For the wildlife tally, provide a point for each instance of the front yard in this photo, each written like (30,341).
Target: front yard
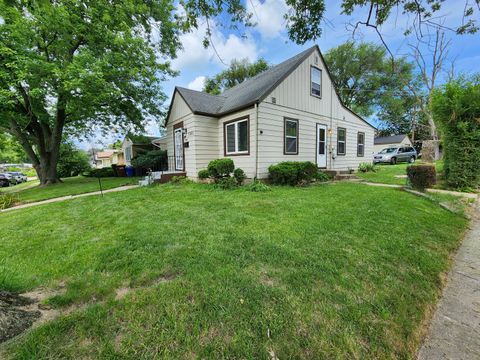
(30,191)
(341,270)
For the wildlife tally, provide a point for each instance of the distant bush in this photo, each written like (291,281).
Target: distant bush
(226,183)
(104,172)
(7,200)
(30,172)
(203,174)
(421,176)
(258,186)
(239,175)
(220,168)
(366,167)
(292,172)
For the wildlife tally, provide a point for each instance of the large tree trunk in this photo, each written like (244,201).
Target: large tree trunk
(47,170)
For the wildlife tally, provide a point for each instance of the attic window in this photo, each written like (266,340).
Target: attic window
(274,100)
(315,81)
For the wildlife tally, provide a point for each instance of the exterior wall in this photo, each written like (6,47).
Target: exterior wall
(405,142)
(293,99)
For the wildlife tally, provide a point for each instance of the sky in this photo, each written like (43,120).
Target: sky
(269,40)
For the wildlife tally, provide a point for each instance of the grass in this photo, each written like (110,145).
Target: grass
(390,174)
(30,191)
(331,271)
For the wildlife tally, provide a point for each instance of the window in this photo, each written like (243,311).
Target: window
(316,81)
(236,137)
(290,146)
(341,141)
(360,144)
(128,153)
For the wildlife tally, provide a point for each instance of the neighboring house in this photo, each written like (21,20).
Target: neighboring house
(290,112)
(161,142)
(134,145)
(383,142)
(108,158)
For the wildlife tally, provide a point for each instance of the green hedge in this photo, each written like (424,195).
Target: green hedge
(456,109)
(421,177)
(104,172)
(292,172)
(220,168)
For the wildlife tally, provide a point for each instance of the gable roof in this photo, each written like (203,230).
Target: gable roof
(389,139)
(249,92)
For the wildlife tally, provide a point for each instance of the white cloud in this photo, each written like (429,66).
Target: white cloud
(268,16)
(195,57)
(197,83)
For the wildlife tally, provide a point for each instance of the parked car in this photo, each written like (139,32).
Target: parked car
(392,155)
(6,180)
(18,176)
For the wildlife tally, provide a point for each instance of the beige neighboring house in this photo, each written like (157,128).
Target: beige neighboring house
(133,145)
(290,112)
(108,158)
(383,142)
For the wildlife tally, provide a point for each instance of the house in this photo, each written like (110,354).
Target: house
(290,112)
(108,158)
(133,145)
(383,142)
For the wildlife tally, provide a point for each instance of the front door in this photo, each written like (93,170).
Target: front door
(178,149)
(321,146)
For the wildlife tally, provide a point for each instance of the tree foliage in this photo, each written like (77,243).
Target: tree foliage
(72,161)
(10,150)
(237,72)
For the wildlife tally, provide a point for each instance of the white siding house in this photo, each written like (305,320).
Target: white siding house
(290,112)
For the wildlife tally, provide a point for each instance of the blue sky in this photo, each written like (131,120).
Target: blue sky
(268,39)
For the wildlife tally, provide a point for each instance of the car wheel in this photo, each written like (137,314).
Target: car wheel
(411,160)
(393,161)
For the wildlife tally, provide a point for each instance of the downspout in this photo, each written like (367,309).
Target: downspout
(331,126)
(256,140)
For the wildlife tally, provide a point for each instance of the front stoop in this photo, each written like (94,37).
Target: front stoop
(167,177)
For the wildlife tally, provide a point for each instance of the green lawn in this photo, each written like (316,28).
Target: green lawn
(389,174)
(30,191)
(318,272)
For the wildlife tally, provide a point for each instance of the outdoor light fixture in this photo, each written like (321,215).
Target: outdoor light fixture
(330,131)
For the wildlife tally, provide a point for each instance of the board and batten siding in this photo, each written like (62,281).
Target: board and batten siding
(292,99)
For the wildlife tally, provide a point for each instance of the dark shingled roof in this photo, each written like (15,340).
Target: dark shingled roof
(244,94)
(389,139)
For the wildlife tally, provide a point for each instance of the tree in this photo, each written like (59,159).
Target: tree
(10,150)
(72,161)
(70,66)
(237,72)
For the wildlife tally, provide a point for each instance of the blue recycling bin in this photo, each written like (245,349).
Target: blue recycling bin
(130,171)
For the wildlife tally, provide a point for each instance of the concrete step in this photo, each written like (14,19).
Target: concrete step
(345,177)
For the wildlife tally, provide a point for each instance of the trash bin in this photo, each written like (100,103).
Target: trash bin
(121,171)
(130,171)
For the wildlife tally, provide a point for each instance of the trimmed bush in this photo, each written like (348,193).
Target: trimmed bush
(220,168)
(226,183)
(292,172)
(258,186)
(366,167)
(421,176)
(180,180)
(151,159)
(104,172)
(7,200)
(203,174)
(239,175)
(456,109)
(323,176)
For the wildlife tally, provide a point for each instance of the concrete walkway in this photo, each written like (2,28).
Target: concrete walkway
(454,331)
(63,198)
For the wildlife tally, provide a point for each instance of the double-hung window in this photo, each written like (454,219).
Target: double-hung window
(128,153)
(290,146)
(315,81)
(236,137)
(341,141)
(360,144)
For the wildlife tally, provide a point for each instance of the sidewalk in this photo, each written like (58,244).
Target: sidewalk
(63,198)
(454,331)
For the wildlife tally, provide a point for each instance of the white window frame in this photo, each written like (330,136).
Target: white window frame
(312,68)
(235,125)
(360,145)
(344,142)
(290,136)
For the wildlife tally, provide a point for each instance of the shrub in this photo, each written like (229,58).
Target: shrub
(456,109)
(104,172)
(292,172)
(72,161)
(7,200)
(323,176)
(366,167)
(220,168)
(258,186)
(226,183)
(421,176)
(203,174)
(239,175)
(151,159)
(180,180)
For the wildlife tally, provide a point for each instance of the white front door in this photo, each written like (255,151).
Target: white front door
(321,146)
(178,149)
